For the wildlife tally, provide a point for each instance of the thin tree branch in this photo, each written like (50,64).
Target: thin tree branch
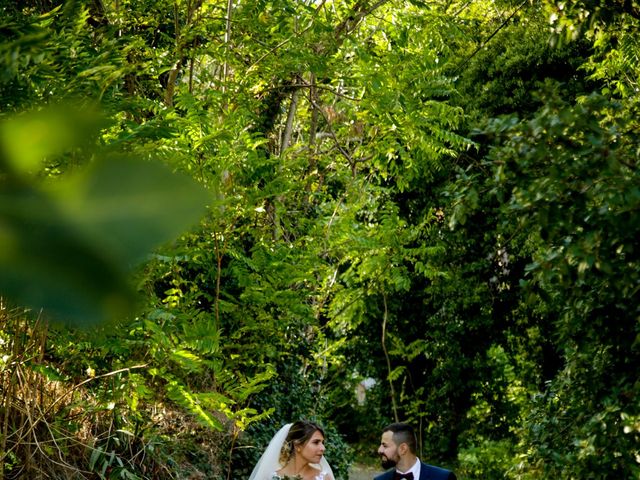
(344,153)
(502,25)
(78,385)
(350,23)
(312,86)
(313,98)
(386,356)
(227,39)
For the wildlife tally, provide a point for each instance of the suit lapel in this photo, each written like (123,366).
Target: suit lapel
(425,474)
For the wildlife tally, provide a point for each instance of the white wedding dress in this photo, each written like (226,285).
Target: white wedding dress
(321,475)
(269,464)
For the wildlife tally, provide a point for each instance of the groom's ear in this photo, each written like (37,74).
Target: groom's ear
(403,448)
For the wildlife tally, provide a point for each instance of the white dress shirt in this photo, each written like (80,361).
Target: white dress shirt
(415,470)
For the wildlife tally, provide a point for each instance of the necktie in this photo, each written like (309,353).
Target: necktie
(401,476)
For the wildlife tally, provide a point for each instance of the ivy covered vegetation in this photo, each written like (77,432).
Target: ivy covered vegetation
(220,216)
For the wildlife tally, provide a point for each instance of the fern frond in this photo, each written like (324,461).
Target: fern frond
(192,404)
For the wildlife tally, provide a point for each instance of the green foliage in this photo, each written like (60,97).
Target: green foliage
(488,458)
(520,60)
(581,215)
(440,196)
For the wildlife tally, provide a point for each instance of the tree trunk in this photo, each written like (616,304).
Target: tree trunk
(286,136)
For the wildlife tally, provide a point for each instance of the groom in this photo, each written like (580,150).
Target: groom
(398,450)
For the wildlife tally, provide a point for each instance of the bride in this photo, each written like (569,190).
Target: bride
(296,452)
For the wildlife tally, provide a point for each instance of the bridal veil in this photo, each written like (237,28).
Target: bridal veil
(269,462)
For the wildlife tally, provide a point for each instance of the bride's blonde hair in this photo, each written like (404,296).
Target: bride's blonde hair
(299,434)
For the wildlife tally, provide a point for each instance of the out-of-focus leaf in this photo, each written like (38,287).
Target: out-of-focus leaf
(46,262)
(128,207)
(69,250)
(68,247)
(30,139)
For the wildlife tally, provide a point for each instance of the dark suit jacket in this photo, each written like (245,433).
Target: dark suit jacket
(427,472)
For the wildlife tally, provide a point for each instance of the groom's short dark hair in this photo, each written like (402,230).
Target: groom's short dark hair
(403,433)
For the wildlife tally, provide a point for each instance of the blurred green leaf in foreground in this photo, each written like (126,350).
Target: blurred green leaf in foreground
(69,243)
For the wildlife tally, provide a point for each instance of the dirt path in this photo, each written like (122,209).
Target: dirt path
(361,472)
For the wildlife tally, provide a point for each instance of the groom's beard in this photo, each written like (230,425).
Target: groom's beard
(387,462)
